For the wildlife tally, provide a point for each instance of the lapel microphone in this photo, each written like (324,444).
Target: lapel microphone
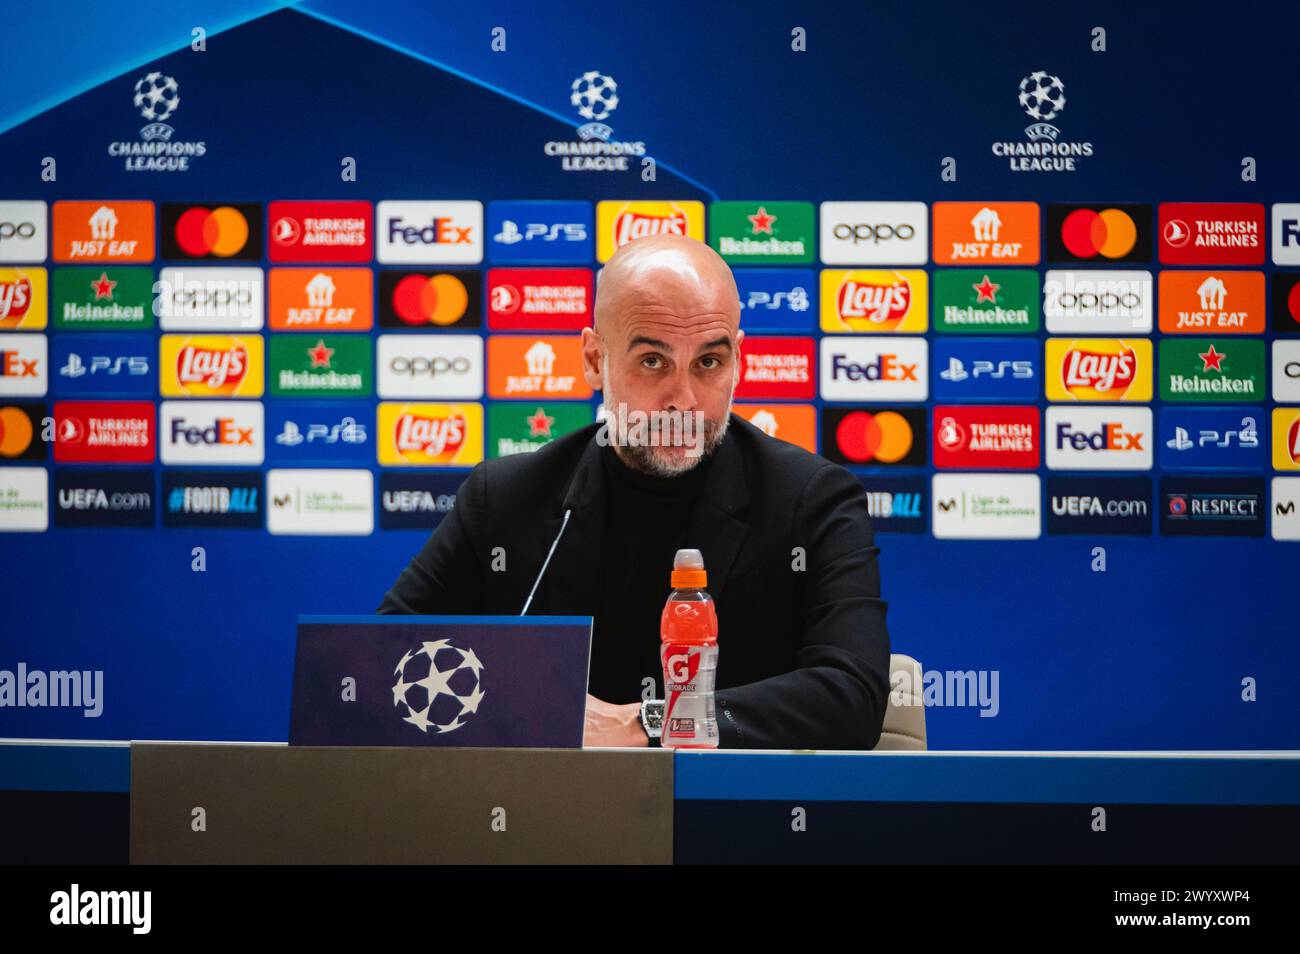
(546,563)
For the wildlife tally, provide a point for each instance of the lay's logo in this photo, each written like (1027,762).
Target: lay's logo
(618,223)
(211,365)
(1099,369)
(22,298)
(873,300)
(425,435)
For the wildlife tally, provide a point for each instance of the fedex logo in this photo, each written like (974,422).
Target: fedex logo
(23,362)
(222,431)
(1110,436)
(1099,438)
(854,369)
(14,364)
(430,232)
(440,231)
(886,367)
(212,432)
(1286,233)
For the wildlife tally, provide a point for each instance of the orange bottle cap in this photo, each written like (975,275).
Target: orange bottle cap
(689,579)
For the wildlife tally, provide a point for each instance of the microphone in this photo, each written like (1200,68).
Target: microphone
(546,563)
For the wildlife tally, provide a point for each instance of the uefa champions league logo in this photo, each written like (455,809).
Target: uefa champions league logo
(595,95)
(1042,96)
(156,96)
(438,686)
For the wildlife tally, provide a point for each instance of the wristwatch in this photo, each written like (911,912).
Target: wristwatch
(652,719)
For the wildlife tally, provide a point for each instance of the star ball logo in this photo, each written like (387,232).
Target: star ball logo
(157,97)
(438,686)
(595,96)
(1042,96)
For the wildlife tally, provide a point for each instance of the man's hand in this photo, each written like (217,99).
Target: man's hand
(608,724)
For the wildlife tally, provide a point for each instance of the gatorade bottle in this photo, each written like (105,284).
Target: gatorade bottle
(689,655)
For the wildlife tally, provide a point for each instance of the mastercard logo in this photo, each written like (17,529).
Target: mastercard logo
(222,231)
(430,300)
(15,431)
(1110,233)
(885,437)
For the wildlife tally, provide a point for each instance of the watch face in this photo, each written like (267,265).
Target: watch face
(652,717)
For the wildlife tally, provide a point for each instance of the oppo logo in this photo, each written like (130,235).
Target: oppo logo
(875,234)
(213,296)
(1092,301)
(22,230)
(433,367)
(1291,369)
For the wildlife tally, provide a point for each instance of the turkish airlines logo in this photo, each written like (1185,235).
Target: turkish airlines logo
(321,231)
(1211,233)
(104,431)
(539,299)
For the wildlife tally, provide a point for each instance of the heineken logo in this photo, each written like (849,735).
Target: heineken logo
(986,301)
(762,232)
(1214,369)
(102,297)
(323,365)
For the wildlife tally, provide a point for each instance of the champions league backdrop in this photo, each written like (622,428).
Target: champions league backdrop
(273,279)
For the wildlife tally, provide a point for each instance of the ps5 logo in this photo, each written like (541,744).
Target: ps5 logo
(796,299)
(993,370)
(1246,436)
(129,364)
(559,231)
(348,431)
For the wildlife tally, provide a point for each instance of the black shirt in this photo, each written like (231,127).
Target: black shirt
(647,519)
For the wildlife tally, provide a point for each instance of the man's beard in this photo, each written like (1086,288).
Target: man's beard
(656,460)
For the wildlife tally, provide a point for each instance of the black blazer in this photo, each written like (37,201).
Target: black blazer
(803,649)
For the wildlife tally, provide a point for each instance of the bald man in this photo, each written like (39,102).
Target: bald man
(787,543)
